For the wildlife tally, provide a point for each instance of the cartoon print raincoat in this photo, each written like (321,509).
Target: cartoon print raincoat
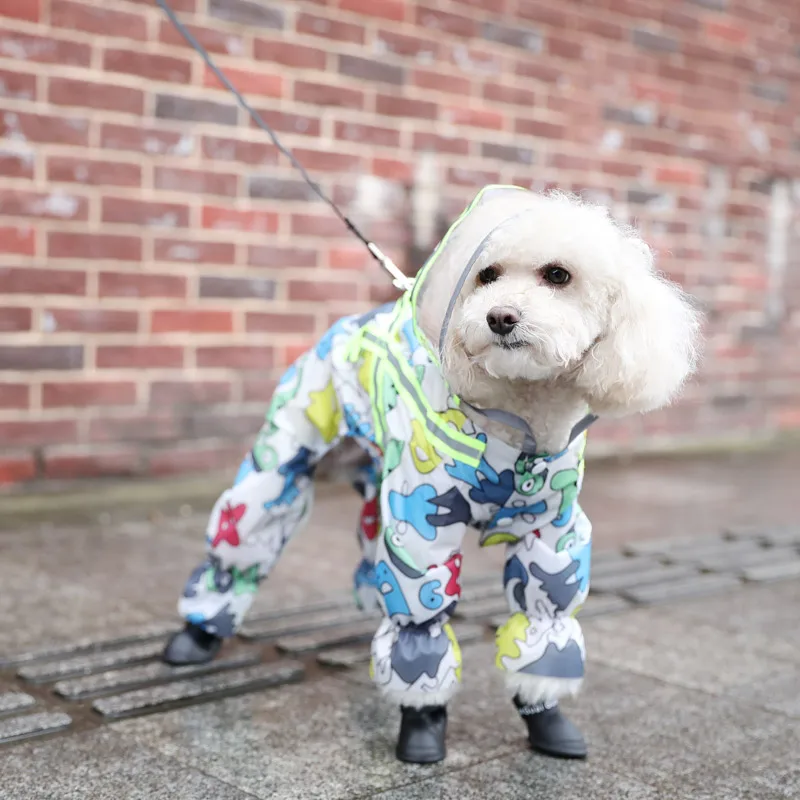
(435,472)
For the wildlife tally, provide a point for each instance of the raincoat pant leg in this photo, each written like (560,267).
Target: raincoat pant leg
(272,495)
(541,647)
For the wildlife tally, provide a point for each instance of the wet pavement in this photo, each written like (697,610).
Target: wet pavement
(693,686)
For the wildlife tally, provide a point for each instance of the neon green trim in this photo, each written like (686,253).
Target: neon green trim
(415,289)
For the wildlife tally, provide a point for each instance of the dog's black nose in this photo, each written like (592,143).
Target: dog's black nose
(502,320)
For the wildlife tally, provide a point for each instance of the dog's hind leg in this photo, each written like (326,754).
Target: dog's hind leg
(270,500)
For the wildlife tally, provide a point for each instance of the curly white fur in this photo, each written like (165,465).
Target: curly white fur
(533,690)
(617,336)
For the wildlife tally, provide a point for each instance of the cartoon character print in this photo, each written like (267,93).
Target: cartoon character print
(297,472)
(528,482)
(227,530)
(566,482)
(422,507)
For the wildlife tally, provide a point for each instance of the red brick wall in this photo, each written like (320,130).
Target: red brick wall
(160,264)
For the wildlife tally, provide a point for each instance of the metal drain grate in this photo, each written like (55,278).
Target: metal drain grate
(88,683)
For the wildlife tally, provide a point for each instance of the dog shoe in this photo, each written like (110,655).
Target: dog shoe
(422,732)
(192,645)
(550,732)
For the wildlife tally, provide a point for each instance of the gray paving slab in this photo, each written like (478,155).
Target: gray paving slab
(664,544)
(89,664)
(606,584)
(15,728)
(337,636)
(86,645)
(251,679)
(668,591)
(723,547)
(773,572)
(482,609)
(622,564)
(11,702)
(122,680)
(737,562)
(595,606)
(301,624)
(101,765)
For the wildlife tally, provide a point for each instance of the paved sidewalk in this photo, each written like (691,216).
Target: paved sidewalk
(686,697)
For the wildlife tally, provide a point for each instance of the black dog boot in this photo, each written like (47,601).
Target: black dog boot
(550,732)
(422,732)
(192,645)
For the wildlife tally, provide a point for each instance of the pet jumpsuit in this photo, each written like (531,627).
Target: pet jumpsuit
(434,472)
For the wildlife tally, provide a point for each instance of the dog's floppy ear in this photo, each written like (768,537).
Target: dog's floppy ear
(650,344)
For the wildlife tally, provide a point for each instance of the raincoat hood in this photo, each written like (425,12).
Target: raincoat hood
(467,247)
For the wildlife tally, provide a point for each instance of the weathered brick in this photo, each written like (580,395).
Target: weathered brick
(220,149)
(393,170)
(191,321)
(151,141)
(275,256)
(81,394)
(53,205)
(506,152)
(14,395)
(367,69)
(190,109)
(16,469)
(642,114)
(387,9)
(247,82)
(257,321)
(196,458)
(194,251)
(100,96)
(323,226)
(235,357)
(422,50)
(321,291)
(36,357)
(72,464)
(541,129)
(352,257)
(170,179)
(17,85)
(155,426)
(322,94)
(15,240)
(289,54)
(14,319)
(325,161)
(461,176)
(287,189)
(24,47)
(564,48)
(66,169)
(774,91)
(129,211)
(503,93)
(315,25)
(247,12)
(445,22)
(44,128)
(367,134)
(141,284)
(456,145)
(151,66)
(30,11)
(139,356)
(262,288)
(257,388)
(106,246)
(203,424)
(91,18)
(91,320)
(214,40)
(393,106)
(36,280)
(283,122)
(42,432)
(439,82)
(178,393)
(232,219)
(658,42)
(16,165)
(513,36)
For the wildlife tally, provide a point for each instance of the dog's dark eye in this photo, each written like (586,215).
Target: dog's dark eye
(488,275)
(556,275)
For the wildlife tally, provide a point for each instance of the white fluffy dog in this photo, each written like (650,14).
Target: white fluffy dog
(470,394)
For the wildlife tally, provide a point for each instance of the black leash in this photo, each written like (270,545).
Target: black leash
(400,280)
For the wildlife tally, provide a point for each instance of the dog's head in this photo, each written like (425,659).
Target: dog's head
(540,287)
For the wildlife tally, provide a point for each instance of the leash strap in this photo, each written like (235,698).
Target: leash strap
(401,281)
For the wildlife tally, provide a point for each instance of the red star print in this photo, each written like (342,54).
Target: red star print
(453,588)
(369,519)
(226,530)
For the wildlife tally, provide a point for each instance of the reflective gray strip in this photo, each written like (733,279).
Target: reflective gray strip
(513,421)
(455,444)
(460,285)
